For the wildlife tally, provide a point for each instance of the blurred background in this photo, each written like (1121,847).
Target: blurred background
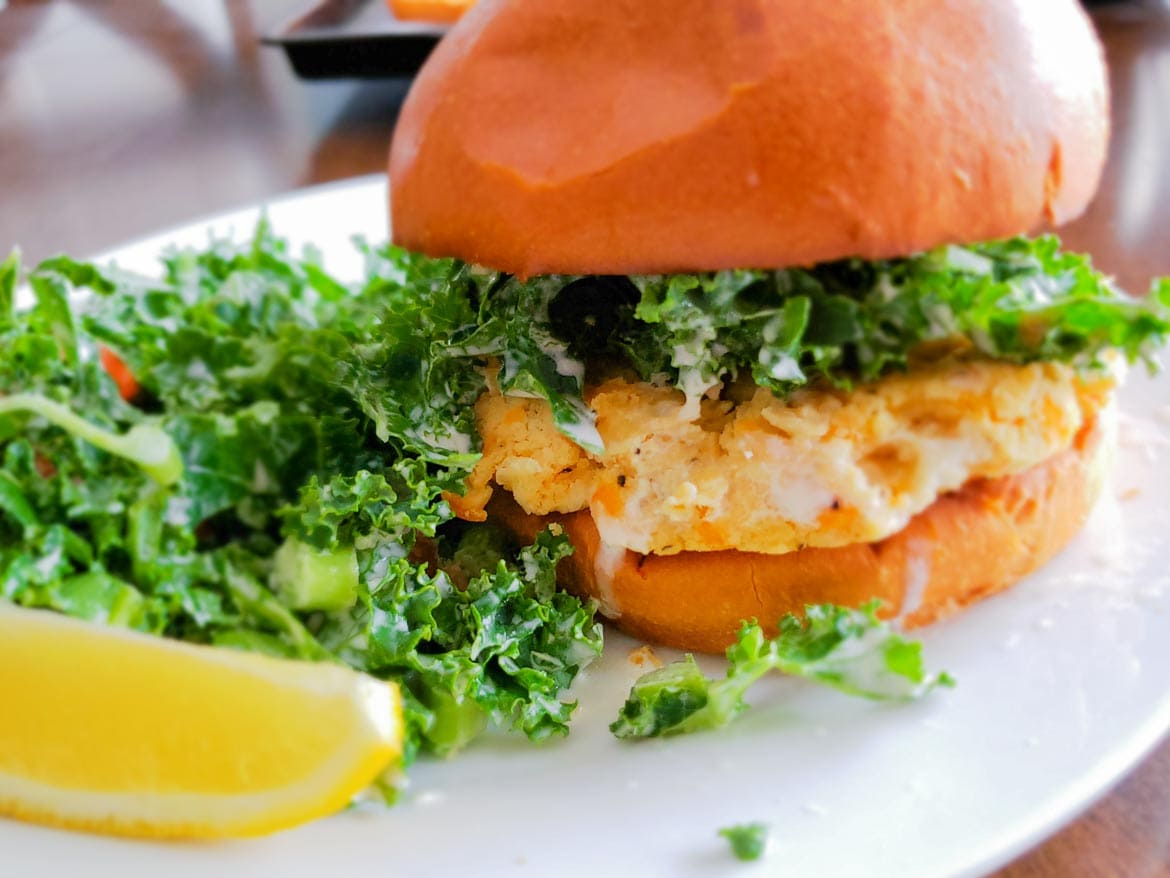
(155,113)
(122,118)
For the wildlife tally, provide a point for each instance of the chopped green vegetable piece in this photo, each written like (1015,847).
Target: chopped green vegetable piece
(748,840)
(99,597)
(850,650)
(145,444)
(307,578)
(14,503)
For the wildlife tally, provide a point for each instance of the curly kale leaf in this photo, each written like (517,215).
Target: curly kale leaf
(500,651)
(399,504)
(850,650)
(1018,300)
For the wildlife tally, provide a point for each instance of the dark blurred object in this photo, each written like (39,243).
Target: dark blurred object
(355,38)
(339,39)
(362,39)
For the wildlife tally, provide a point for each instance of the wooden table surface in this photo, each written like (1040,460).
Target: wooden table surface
(121,118)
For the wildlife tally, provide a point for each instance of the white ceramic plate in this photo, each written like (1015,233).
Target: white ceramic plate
(1064,683)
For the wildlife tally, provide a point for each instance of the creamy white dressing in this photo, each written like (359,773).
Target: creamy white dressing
(694,386)
(262,481)
(521,393)
(455,441)
(785,368)
(606,563)
(585,434)
(917,576)
(684,355)
(962,259)
(197,371)
(48,563)
(865,658)
(566,365)
(178,512)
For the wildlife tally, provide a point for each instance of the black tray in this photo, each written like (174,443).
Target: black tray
(355,38)
(362,38)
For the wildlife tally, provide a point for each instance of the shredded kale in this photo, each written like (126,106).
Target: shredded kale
(1018,300)
(277,485)
(850,650)
(405,356)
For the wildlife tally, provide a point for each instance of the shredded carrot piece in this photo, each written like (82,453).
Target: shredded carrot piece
(120,372)
(610,498)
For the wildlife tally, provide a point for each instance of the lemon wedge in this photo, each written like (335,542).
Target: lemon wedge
(113,731)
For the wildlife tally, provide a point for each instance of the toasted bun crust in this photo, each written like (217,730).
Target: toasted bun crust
(670,135)
(966,546)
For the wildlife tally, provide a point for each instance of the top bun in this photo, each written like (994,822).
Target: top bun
(572,136)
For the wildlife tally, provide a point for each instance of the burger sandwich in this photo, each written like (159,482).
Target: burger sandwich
(747,303)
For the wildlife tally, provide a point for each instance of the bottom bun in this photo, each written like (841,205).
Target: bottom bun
(967,545)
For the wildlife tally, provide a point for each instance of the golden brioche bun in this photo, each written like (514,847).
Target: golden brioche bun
(673,135)
(967,545)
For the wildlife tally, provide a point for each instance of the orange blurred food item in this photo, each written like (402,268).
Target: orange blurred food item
(440,11)
(120,372)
